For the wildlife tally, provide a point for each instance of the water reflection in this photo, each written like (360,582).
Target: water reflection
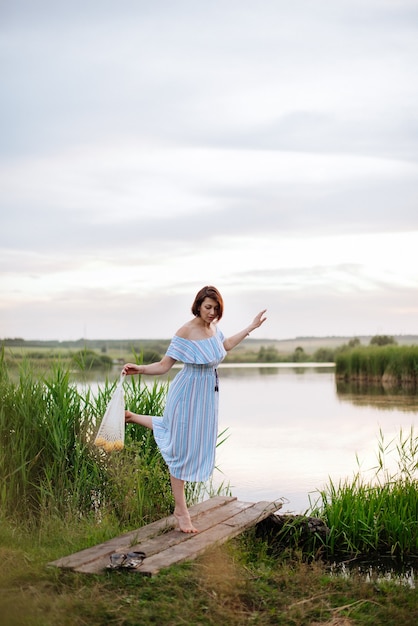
(378,396)
(383,568)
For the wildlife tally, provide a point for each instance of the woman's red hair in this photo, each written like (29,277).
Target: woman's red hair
(208,292)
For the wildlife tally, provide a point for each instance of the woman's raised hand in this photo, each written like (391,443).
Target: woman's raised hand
(259,319)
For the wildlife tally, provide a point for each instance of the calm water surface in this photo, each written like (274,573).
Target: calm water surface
(290,430)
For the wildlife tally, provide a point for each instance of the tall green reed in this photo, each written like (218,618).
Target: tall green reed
(49,465)
(45,462)
(379,515)
(397,365)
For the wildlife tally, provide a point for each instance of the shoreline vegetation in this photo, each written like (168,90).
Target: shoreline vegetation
(60,494)
(392,366)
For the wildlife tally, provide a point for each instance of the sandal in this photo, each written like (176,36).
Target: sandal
(134,559)
(131,560)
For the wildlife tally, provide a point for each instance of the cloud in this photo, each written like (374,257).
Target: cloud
(101,313)
(120,197)
(195,74)
(147,148)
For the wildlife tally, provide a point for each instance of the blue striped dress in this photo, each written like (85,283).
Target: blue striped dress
(186,434)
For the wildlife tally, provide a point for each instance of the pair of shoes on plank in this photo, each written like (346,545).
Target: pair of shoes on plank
(131,560)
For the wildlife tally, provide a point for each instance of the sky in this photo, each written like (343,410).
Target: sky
(269,148)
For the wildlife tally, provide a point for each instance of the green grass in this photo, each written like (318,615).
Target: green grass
(232,585)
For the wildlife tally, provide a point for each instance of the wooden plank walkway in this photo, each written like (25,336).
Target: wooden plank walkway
(218,519)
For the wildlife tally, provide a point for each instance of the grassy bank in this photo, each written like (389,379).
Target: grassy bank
(60,495)
(234,585)
(394,365)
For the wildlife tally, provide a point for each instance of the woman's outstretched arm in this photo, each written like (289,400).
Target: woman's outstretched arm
(233,341)
(153,369)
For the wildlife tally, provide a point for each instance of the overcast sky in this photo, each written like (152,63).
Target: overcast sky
(149,148)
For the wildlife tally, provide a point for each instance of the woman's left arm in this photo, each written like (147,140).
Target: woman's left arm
(233,341)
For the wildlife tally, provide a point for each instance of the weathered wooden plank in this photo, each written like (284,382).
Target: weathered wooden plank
(218,520)
(176,547)
(214,536)
(125,542)
(206,520)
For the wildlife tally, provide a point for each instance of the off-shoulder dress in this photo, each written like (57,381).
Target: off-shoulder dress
(187,431)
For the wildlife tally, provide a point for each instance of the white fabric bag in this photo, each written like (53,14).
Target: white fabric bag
(111,433)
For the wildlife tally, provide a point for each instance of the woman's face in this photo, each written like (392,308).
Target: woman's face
(209,310)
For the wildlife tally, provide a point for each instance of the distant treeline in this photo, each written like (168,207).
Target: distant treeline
(89,353)
(84,353)
(150,350)
(102,345)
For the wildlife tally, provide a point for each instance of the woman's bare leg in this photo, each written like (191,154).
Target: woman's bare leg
(181,512)
(142,420)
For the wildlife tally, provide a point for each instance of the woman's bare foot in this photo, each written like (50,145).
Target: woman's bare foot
(185,523)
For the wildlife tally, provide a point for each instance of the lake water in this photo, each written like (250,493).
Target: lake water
(290,430)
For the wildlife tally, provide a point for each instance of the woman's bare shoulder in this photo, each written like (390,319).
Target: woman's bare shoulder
(186,331)
(193,331)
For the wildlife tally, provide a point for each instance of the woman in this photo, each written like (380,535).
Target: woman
(186,433)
